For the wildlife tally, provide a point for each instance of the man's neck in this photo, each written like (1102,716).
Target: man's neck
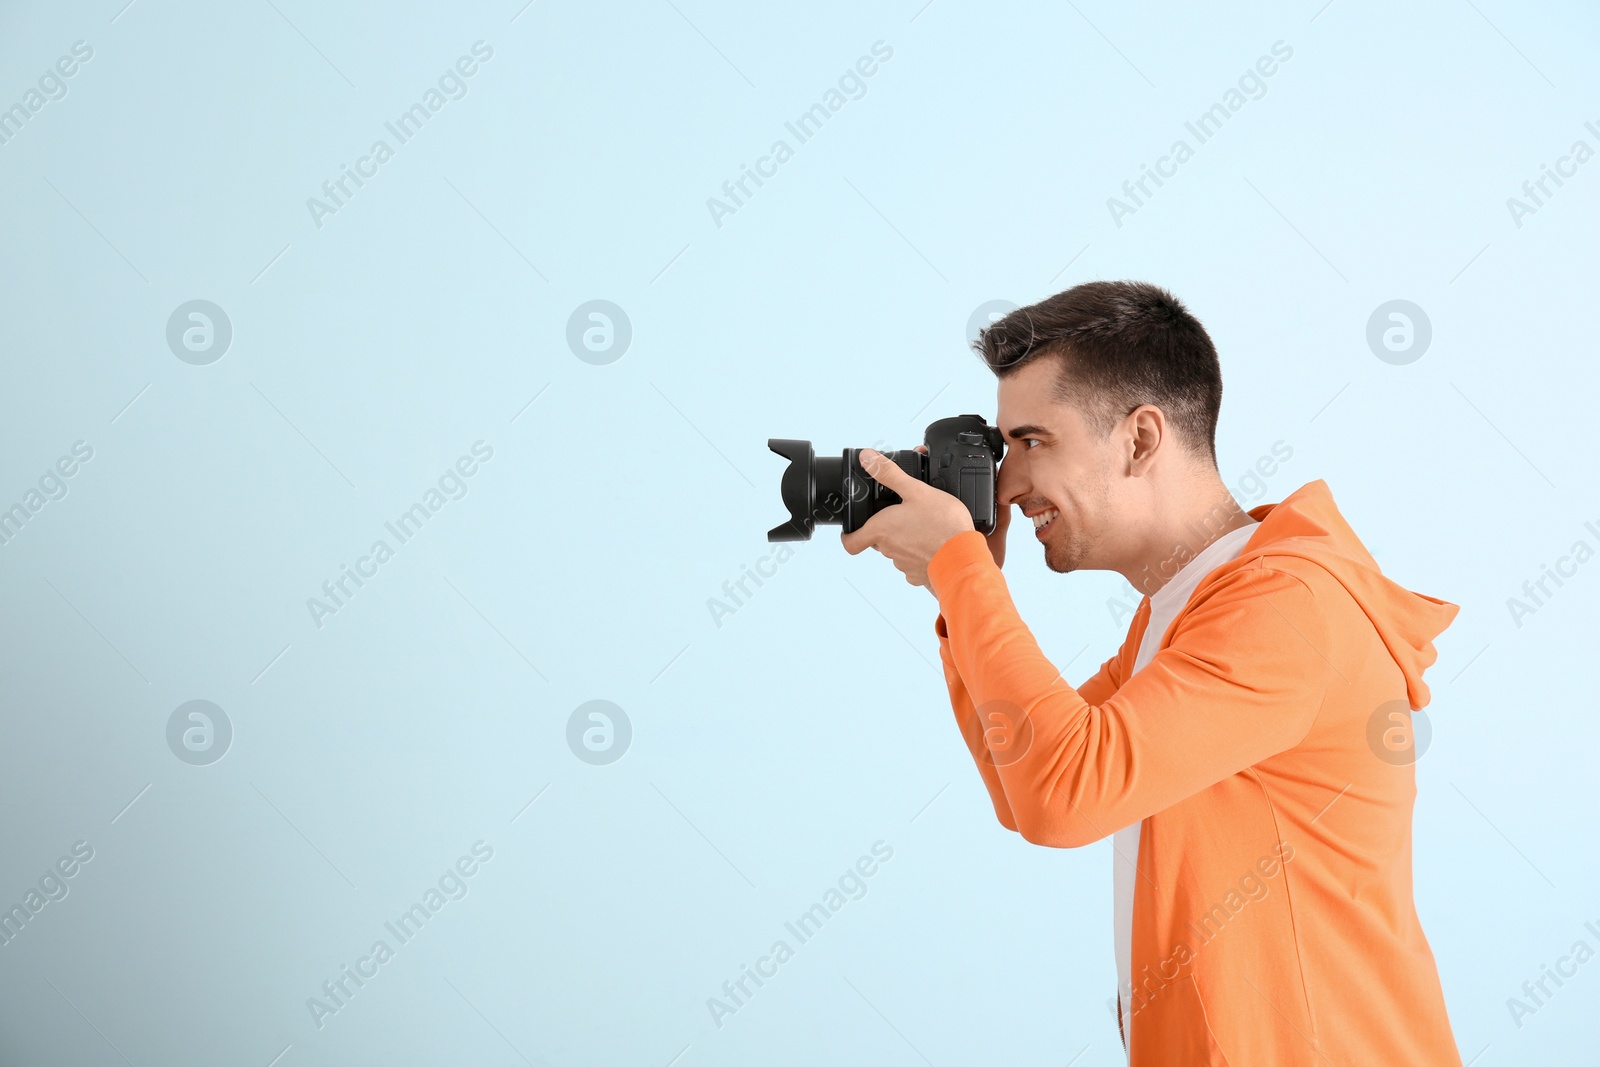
(1189,533)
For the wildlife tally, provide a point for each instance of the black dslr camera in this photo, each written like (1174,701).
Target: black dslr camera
(963,452)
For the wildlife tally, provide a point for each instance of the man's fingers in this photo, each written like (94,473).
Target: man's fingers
(859,540)
(870,533)
(888,473)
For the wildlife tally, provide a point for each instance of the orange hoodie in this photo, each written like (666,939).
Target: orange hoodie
(1263,748)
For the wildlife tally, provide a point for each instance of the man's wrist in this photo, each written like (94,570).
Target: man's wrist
(967,548)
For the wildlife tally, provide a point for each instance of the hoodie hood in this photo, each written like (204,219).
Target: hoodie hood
(1307,523)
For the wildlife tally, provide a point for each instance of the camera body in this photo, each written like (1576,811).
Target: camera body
(963,460)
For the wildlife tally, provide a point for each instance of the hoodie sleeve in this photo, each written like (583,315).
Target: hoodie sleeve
(1242,679)
(1102,685)
(972,729)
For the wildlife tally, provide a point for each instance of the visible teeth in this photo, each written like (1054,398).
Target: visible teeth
(1044,517)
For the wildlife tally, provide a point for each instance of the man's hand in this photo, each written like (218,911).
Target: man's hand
(910,532)
(1002,522)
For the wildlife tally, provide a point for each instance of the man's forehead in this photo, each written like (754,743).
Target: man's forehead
(1026,406)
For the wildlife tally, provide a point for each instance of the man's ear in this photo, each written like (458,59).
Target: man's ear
(1146,429)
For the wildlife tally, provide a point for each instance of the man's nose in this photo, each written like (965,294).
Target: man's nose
(1012,484)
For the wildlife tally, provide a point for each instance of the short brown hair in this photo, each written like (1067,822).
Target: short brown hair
(1119,345)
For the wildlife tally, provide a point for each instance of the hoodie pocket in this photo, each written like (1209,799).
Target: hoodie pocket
(1173,1029)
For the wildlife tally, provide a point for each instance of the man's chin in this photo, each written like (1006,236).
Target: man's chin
(1063,561)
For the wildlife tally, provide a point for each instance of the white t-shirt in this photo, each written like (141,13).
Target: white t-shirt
(1165,604)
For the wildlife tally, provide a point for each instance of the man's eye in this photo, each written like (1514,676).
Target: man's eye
(1029,441)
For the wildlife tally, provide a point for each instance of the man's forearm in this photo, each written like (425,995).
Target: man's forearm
(972,728)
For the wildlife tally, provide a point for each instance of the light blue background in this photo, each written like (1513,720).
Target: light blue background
(772,751)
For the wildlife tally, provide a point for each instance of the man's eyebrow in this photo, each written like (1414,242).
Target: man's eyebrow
(1019,432)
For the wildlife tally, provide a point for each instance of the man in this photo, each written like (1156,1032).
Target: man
(1246,748)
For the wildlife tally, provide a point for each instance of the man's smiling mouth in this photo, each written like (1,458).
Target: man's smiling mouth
(1043,520)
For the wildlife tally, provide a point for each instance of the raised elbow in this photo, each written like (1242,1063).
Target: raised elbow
(1036,829)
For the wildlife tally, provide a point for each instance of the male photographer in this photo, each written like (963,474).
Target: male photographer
(1241,747)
